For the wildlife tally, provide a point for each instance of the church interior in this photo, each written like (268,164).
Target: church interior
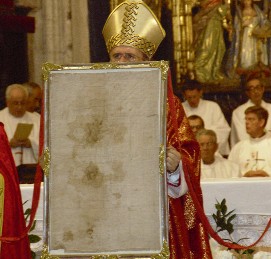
(202,43)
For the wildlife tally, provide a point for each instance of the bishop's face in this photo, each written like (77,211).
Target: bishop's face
(126,54)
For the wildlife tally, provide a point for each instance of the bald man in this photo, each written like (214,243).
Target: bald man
(26,151)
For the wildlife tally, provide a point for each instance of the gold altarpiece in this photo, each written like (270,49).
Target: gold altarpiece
(182,33)
(229,93)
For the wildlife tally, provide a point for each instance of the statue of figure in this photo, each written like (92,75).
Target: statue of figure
(249,44)
(209,43)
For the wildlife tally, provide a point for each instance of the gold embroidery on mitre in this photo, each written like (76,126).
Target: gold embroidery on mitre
(189,212)
(133,23)
(127,34)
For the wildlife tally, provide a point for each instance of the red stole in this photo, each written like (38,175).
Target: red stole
(13,220)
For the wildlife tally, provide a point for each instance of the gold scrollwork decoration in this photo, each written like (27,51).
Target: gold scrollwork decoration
(45,254)
(93,66)
(47,67)
(164,67)
(44,161)
(162,159)
(164,253)
(105,257)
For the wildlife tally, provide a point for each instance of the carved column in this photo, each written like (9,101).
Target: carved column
(56,28)
(61,35)
(80,31)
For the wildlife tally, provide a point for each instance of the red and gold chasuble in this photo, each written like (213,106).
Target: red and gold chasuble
(187,237)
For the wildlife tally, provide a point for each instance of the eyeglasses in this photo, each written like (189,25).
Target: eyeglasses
(255,89)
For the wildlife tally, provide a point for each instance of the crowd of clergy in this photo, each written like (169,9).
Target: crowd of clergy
(241,149)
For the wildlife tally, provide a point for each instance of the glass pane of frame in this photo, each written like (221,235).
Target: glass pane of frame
(105,189)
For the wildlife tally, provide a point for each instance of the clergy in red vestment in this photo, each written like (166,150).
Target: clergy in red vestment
(132,34)
(14,243)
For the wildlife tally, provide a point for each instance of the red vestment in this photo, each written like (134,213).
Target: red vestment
(187,237)
(14,238)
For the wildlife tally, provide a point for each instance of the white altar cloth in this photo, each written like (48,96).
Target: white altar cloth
(27,193)
(245,195)
(250,198)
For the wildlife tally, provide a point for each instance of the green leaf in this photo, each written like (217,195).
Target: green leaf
(248,251)
(230,229)
(33,255)
(34,238)
(224,209)
(25,202)
(228,214)
(231,218)
(33,226)
(223,220)
(218,207)
(27,212)
(244,238)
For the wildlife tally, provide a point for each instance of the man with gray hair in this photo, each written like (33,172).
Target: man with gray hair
(24,151)
(213,166)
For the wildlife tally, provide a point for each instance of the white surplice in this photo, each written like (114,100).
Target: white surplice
(220,168)
(238,124)
(214,119)
(253,154)
(27,155)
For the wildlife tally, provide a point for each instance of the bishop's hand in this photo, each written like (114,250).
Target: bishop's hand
(173,158)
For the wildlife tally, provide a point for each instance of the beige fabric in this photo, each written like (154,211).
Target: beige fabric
(105,138)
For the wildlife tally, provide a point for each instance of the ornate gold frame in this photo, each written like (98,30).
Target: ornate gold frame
(48,72)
